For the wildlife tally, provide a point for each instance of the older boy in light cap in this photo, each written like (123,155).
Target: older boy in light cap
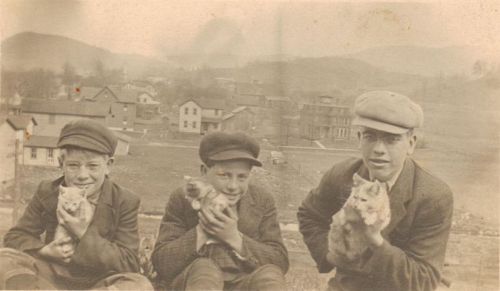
(409,253)
(107,241)
(249,253)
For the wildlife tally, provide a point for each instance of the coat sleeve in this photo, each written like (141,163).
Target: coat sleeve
(269,248)
(25,235)
(315,216)
(175,247)
(118,255)
(417,265)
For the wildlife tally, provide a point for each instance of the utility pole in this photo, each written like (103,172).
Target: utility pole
(17,183)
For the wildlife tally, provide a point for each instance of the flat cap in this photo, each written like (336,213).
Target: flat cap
(88,134)
(222,146)
(387,111)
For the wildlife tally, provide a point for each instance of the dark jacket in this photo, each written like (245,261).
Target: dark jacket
(175,247)
(110,244)
(413,252)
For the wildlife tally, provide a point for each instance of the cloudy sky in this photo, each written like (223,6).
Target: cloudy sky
(303,28)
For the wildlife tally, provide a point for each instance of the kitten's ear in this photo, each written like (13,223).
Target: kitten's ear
(187,178)
(357,179)
(62,189)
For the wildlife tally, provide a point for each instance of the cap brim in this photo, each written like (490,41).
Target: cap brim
(235,155)
(83,143)
(379,125)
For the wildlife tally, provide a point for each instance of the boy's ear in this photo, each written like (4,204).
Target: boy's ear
(109,163)
(203,169)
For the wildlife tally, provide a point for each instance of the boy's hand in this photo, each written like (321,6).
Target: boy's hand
(223,227)
(55,250)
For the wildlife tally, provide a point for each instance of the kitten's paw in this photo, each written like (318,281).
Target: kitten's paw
(370,219)
(196,205)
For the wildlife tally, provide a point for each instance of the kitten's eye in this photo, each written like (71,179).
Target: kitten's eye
(364,199)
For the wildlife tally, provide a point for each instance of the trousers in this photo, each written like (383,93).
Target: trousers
(204,274)
(21,271)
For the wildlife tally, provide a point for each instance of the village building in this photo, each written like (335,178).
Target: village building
(147,106)
(200,115)
(51,116)
(14,129)
(325,118)
(121,105)
(41,151)
(239,119)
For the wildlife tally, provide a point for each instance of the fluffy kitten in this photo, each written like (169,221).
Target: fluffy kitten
(75,202)
(199,192)
(371,201)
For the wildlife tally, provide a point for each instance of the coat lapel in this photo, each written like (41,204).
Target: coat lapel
(248,214)
(401,192)
(104,213)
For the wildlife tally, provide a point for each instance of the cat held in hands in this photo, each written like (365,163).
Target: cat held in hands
(368,204)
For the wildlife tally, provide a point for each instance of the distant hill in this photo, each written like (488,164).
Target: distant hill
(28,50)
(324,74)
(425,61)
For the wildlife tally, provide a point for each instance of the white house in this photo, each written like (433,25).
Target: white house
(41,151)
(200,115)
(12,128)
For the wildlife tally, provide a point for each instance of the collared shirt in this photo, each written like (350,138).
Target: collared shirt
(390,183)
(94,198)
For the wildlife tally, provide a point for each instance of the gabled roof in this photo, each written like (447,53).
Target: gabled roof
(64,107)
(19,122)
(88,92)
(242,108)
(42,141)
(123,95)
(206,103)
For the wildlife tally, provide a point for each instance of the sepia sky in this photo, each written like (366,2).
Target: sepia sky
(300,28)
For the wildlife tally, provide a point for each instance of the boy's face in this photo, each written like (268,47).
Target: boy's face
(85,170)
(385,153)
(231,178)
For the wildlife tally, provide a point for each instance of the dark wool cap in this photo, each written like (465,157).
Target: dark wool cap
(222,146)
(88,134)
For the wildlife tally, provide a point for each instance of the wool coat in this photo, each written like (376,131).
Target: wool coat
(412,254)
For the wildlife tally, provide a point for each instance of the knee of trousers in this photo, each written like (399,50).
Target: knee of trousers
(128,281)
(268,274)
(15,264)
(205,266)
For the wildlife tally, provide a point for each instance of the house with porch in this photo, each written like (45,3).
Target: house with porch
(200,115)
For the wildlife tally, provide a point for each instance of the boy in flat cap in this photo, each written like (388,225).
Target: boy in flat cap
(250,254)
(409,253)
(106,251)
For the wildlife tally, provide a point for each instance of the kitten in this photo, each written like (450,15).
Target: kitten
(371,201)
(198,191)
(75,202)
